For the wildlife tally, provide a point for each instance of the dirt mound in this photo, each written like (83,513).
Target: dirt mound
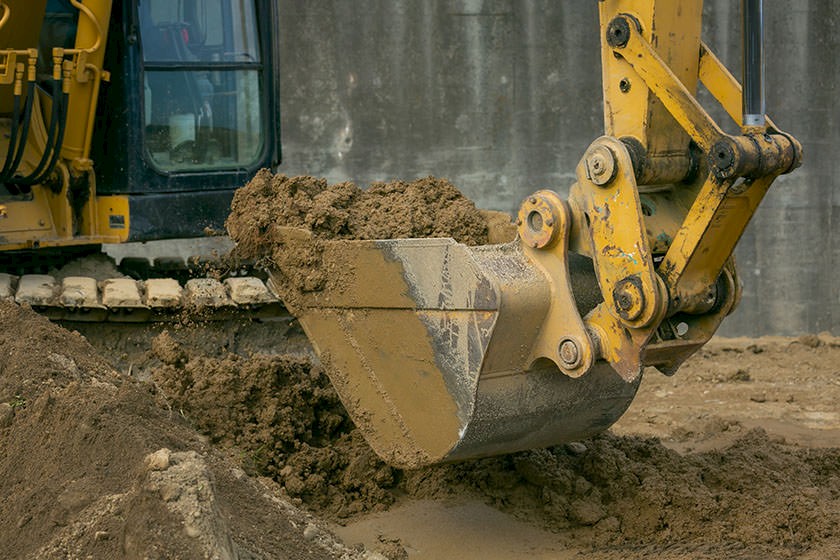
(610,492)
(91,465)
(426,207)
(283,416)
(623,491)
(340,212)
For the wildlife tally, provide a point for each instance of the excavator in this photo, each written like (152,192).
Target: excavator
(439,351)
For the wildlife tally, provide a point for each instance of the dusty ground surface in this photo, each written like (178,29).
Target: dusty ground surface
(736,456)
(226,441)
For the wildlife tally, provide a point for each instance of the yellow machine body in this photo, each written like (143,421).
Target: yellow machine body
(440,351)
(171,144)
(46,217)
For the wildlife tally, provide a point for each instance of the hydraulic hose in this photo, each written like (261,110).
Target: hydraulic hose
(62,127)
(55,136)
(6,13)
(24,136)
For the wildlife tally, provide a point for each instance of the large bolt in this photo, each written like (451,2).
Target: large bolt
(624,302)
(600,165)
(538,219)
(569,353)
(722,158)
(629,298)
(618,33)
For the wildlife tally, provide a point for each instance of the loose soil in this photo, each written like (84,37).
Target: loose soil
(736,456)
(428,207)
(227,441)
(263,211)
(95,464)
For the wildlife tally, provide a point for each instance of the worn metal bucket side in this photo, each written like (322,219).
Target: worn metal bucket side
(428,343)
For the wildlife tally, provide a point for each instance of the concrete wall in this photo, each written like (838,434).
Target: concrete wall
(503,96)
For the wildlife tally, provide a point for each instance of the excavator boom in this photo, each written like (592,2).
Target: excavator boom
(441,351)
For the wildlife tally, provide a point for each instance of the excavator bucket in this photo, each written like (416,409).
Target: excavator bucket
(430,345)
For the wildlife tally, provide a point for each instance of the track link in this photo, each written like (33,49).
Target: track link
(81,298)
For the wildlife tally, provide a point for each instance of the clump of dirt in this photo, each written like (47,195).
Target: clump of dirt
(391,548)
(94,465)
(285,419)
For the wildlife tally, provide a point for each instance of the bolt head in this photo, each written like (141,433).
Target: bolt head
(629,298)
(624,301)
(569,353)
(600,165)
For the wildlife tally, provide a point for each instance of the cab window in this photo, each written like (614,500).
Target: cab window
(202,84)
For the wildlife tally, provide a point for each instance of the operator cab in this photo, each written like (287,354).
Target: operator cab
(190,114)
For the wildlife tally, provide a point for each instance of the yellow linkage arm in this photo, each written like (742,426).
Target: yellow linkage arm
(666,177)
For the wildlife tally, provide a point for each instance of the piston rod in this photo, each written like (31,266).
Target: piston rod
(752,14)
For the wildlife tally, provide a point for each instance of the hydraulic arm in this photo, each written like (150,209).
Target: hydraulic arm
(441,351)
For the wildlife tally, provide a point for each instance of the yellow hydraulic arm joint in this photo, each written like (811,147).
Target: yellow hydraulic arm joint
(706,181)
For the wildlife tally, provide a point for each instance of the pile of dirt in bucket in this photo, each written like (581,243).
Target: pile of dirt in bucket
(427,207)
(284,222)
